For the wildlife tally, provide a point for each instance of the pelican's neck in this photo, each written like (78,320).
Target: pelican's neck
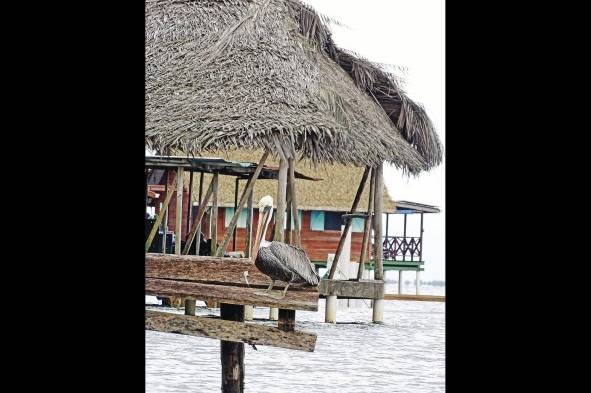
(265,243)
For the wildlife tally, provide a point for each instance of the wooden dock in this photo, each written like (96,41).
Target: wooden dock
(420,298)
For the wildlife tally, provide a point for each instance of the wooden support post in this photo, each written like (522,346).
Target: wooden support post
(165,212)
(159,218)
(339,251)
(198,244)
(378,304)
(249,187)
(190,305)
(286,320)
(178,226)
(294,203)
(189,204)
(249,220)
(232,353)
(404,240)
(399,282)
(236,186)
(280,213)
(197,222)
(378,310)
(214,215)
(378,207)
(418,283)
(281,200)
(288,220)
(364,254)
(330,313)
(248,310)
(421,241)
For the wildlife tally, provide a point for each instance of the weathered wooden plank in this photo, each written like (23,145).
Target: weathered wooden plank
(229,331)
(422,298)
(293,300)
(212,270)
(362,289)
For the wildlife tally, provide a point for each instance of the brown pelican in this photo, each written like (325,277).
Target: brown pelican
(278,260)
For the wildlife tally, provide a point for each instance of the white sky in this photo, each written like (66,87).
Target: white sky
(409,34)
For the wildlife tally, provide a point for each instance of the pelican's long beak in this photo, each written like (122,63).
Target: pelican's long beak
(261,229)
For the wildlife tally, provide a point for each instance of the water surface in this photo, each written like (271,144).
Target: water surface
(405,354)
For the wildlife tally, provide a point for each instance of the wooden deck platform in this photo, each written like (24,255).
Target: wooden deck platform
(233,282)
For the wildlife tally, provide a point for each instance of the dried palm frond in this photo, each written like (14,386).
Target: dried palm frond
(224,75)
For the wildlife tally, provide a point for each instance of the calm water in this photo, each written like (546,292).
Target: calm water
(405,354)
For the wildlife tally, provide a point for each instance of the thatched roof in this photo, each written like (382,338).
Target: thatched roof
(243,74)
(335,192)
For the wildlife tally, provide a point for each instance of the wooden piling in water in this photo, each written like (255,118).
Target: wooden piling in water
(232,353)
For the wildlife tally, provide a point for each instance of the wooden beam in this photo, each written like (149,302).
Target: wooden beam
(249,187)
(229,331)
(294,203)
(214,214)
(178,227)
(197,222)
(209,270)
(363,289)
(293,300)
(377,222)
(160,216)
(339,251)
(364,253)
(421,298)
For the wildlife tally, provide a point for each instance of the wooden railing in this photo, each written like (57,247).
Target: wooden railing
(399,248)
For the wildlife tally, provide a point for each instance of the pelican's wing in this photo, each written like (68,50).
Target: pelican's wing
(296,260)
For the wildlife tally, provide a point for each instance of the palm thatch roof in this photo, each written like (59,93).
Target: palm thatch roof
(223,75)
(334,192)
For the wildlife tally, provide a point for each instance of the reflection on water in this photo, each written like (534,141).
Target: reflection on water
(405,354)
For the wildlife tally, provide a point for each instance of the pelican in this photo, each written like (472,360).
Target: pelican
(278,260)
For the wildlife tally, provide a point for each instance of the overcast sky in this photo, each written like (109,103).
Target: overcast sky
(408,34)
